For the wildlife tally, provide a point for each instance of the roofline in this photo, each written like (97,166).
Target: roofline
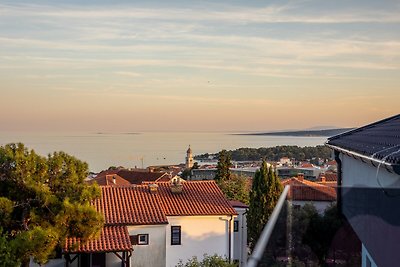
(203,215)
(362,127)
(390,167)
(89,251)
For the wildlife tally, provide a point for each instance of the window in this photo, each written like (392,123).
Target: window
(143,239)
(140,239)
(236,226)
(175,235)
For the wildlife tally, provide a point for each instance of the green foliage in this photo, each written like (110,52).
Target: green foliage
(320,232)
(264,195)
(6,208)
(43,201)
(224,163)
(275,153)
(7,253)
(208,261)
(314,238)
(237,187)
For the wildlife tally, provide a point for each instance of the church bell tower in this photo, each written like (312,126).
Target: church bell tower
(189,158)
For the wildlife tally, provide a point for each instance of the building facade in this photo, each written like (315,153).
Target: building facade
(158,224)
(368,168)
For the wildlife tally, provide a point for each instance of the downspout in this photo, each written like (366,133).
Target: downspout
(339,181)
(241,238)
(230,239)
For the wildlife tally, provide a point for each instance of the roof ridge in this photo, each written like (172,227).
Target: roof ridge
(363,127)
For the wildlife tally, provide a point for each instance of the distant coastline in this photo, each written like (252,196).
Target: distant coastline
(305,133)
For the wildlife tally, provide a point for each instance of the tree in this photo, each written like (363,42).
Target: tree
(208,261)
(264,195)
(42,202)
(224,163)
(236,188)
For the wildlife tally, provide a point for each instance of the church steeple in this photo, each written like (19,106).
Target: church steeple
(189,158)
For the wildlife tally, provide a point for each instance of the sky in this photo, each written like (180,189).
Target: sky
(131,66)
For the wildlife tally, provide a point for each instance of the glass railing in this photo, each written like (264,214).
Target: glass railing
(309,233)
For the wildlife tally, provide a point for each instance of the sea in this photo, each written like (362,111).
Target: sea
(102,150)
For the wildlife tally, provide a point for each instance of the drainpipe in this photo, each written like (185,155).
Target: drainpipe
(339,182)
(241,238)
(230,238)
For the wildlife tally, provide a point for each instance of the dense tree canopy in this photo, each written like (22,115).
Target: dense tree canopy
(223,165)
(237,187)
(264,195)
(43,201)
(275,153)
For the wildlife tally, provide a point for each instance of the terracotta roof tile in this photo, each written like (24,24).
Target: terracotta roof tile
(108,180)
(305,190)
(197,198)
(112,238)
(329,177)
(306,165)
(132,176)
(238,204)
(130,205)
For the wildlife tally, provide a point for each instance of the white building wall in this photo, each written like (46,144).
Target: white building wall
(365,257)
(199,235)
(357,173)
(112,260)
(240,238)
(152,254)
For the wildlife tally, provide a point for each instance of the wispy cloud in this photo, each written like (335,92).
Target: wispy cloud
(285,13)
(243,55)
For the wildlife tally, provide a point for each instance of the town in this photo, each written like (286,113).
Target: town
(191,133)
(176,214)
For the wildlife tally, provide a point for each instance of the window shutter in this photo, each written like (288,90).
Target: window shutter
(134,239)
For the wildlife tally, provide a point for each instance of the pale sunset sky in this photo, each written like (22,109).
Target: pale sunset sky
(197,65)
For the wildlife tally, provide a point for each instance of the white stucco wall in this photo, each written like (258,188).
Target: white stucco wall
(112,260)
(199,235)
(358,173)
(240,238)
(152,254)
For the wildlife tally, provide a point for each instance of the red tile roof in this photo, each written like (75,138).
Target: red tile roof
(197,198)
(112,239)
(306,165)
(131,205)
(329,177)
(131,176)
(305,190)
(238,204)
(109,180)
(136,205)
(332,162)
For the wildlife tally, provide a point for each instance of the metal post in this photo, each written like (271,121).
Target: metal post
(267,231)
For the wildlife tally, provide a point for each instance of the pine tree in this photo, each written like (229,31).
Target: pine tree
(224,163)
(264,195)
(42,202)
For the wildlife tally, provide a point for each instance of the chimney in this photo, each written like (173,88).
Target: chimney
(323,179)
(176,186)
(153,188)
(300,177)
(112,178)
